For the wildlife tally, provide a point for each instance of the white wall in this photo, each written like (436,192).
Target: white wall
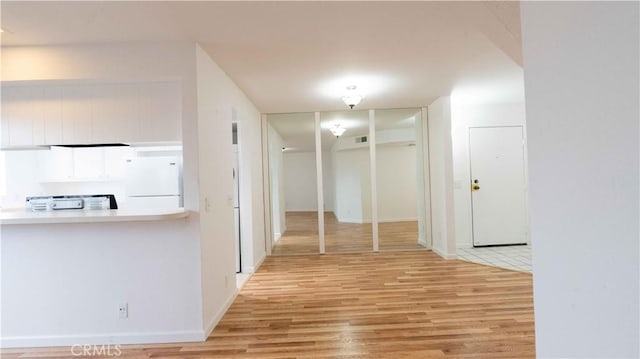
(441,170)
(328,181)
(463,116)
(396,183)
(218,98)
(221,102)
(300,181)
(352,186)
(24,180)
(581,80)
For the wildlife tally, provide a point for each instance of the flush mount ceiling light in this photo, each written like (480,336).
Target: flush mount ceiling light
(337,130)
(352,98)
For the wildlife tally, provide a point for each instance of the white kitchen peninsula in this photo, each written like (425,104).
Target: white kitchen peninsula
(66,273)
(25,217)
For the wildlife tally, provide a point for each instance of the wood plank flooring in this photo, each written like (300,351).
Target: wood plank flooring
(301,236)
(369,305)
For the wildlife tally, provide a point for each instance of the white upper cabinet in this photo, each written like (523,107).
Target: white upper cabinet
(76,107)
(22,116)
(52,115)
(160,112)
(116,113)
(91,113)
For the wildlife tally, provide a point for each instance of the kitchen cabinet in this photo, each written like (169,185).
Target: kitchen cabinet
(160,113)
(22,116)
(76,103)
(115,113)
(51,114)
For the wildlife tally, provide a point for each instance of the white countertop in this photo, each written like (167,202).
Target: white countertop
(22,216)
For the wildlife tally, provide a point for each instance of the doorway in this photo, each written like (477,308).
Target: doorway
(498,185)
(292,178)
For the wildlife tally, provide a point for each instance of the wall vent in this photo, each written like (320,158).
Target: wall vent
(361,139)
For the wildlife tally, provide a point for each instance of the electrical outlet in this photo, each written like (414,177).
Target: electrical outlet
(123,310)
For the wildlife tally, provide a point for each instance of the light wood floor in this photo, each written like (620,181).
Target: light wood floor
(301,236)
(368,305)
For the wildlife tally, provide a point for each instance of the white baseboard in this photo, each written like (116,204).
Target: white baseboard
(276,236)
(216,318)
(396,220)
(103,339)
(351,220)
(253,269)
(444,255)
(367,221)
(119,338)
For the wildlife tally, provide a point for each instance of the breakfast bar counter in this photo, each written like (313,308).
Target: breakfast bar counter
(24,216)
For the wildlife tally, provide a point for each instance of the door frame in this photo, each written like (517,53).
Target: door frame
(526,178)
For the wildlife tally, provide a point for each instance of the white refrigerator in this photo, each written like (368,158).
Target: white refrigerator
(153,182)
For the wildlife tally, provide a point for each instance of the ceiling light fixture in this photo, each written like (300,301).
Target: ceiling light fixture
(352,98)
(337,130)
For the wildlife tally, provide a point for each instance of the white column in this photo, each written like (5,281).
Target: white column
(374,190)
(319,184)
(266,187)
(427,177)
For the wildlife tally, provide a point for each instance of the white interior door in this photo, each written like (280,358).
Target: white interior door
(498,185)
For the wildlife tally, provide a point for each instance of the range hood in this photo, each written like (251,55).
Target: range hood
(84,145)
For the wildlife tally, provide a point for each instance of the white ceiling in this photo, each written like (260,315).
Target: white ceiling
(298,56)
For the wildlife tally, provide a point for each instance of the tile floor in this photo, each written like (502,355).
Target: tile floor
(508,257)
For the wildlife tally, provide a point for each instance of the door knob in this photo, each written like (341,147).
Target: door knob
(475,187)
